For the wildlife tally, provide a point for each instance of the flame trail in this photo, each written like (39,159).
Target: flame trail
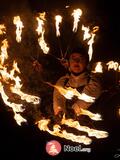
(2,29)
(90,36)
(17,108)
(58,20)
(19,25)
(43,125)
(15,86)
(40,30)
(98,68)
(69,92)
(113,65)
(76,15)
(4,54)
(86,30)
(90,43)
(95,117)
(91,132)
(119,68)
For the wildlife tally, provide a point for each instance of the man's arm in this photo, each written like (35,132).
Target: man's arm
(92,89)
(58,99)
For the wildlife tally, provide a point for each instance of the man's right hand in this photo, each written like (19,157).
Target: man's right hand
(57,110)
(76,109)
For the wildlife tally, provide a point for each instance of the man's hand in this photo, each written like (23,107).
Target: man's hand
(57,110)
(76,109)
(37,66)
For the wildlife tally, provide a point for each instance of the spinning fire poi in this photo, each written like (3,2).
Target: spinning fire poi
(14,82)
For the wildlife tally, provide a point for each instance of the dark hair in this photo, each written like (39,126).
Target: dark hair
(79,50)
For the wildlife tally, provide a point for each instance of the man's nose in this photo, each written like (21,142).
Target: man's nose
(77,60)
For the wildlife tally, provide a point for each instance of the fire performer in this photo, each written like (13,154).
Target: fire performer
(78,78)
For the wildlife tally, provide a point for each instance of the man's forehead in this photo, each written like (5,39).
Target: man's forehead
(76,55)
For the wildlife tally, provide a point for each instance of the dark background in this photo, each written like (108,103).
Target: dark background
(105,14)
(27,141)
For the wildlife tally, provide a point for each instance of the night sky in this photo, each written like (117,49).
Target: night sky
(95,12)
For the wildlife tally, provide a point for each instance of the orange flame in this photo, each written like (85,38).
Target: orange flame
(86,30)
(15,86)
(58,20)
(69,92)
(95,117)
(91,132)
(57,131)
(19,25)
(4,54)
(113,65)
(40,30)
(98,68)
(76,14)
(91,35)
(119,68)
(43,125)
(17,108)
(2,29)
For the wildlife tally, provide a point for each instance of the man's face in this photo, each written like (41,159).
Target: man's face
(77,63)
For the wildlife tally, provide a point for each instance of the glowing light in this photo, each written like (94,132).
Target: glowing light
(90,35)
(98,68)
(86,30)
(58,20)
(40,30)
(13,84)
(19,25)
(2,29)
(113,65)
(43,125)
(91,132)
(76,15)
(4,54)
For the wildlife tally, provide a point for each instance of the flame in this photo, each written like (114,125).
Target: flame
(86,98)
(90,43)
(58,20)
(43,125)
(57,131)
(40,30)
(95,117)
(98,68)
(90,35)
(2,29)
(119,68)
(113,65)
(4,54)
(86,30)
(14,83)
(17,108)
(69,92)
(19,25)
(119,111)
(76,14)
(91,132)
